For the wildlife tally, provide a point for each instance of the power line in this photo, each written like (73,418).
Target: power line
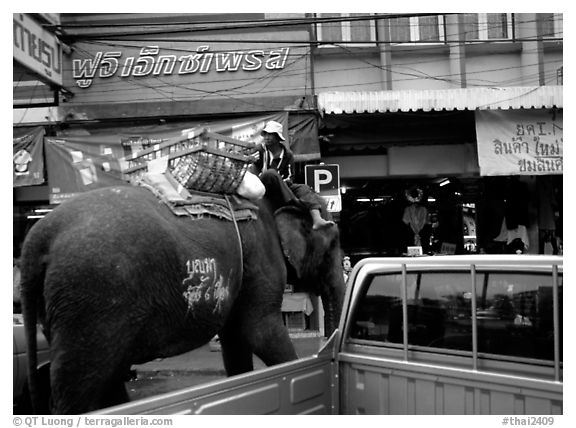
(267,79)
(218,26)
(260,24)
(428,49)
(304,71)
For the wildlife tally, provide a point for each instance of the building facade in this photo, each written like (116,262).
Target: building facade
(432,102)
(446,129)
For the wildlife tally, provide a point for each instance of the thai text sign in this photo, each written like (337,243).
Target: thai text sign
(36,48)
(226,68)
(524,142)
(151,62)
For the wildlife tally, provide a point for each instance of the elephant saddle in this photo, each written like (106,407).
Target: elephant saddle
(183,202)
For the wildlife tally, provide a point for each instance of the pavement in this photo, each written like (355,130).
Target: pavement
(207,360)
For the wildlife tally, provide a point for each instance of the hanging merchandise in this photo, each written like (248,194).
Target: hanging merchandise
(27,157)
(415,214)
(514,229)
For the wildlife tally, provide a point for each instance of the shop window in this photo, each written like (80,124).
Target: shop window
(347,30)
(552,25)
(417,29)
(488,26)
(514,313)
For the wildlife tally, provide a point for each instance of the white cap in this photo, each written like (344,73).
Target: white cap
(273,127)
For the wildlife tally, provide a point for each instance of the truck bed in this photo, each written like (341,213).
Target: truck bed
(304,386)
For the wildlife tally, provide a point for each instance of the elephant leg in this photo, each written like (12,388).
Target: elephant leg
(271,342)
(85,374)
(95,391)
(236,351)
(115,394)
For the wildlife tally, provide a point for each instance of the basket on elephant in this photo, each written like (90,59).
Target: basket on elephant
(207,162)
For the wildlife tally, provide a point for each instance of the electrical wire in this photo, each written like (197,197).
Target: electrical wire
(428,48)
(263,24)
(285,73)
(410,76)
(353,54)
(218,26)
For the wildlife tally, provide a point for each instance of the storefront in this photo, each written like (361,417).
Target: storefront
(126,96)
(38,83)
(418,168)
(417,172)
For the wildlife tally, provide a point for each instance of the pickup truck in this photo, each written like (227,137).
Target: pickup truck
(417,335)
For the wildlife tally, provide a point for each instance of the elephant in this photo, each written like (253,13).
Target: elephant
(116,279)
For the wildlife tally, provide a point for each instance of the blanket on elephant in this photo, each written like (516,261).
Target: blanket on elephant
(183,202)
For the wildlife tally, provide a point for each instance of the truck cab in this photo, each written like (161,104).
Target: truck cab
(447,335)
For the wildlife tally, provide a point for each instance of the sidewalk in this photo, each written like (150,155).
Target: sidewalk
(207,361)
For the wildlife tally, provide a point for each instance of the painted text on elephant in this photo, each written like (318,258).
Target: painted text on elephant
(204,285)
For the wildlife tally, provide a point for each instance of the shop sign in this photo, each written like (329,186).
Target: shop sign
(520,142)
(77,164)
(151,63)
(325,180)
(27,157)
(37,49)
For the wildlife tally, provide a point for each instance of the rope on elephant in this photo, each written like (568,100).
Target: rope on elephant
(238,235)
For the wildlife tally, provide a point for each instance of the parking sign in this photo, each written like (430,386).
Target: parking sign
(325,180)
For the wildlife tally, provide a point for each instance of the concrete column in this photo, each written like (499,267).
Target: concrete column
(529,26)
(456,37)
(383,35)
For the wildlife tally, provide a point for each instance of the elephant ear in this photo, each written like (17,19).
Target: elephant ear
(293,227)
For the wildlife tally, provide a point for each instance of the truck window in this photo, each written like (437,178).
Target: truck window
(513,311)
(515,315)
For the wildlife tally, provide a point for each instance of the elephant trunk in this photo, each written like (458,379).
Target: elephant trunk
(332,300)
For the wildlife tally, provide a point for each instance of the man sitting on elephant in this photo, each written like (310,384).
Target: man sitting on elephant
(274,166)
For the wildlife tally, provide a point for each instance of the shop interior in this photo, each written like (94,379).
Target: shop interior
(458,215)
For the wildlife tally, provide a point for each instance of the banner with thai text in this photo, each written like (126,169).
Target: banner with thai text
(520,142)
(78,163)
(27,157)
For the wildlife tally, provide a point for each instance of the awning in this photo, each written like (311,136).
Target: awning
(441,99)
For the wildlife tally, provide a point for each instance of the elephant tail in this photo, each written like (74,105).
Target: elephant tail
(33,266)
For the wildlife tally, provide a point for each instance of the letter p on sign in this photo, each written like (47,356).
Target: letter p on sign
(321,177)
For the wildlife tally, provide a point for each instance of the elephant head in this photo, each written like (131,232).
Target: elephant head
(313,257)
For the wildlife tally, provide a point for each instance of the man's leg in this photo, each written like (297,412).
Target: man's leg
(277,190)
(317,220)
(313,202)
